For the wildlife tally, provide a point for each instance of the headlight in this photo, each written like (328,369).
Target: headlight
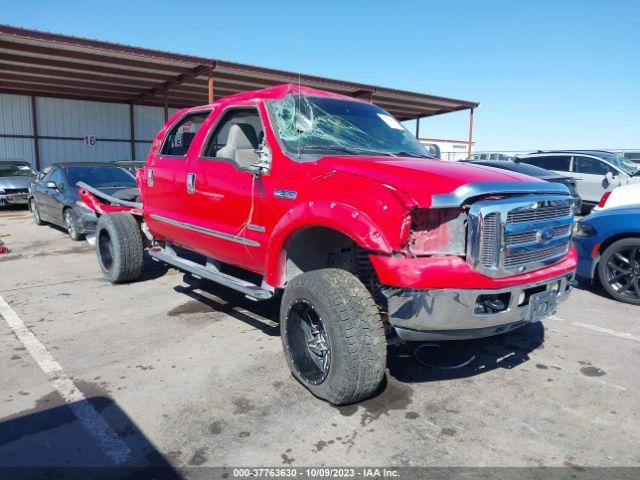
(438,231)
(581,229)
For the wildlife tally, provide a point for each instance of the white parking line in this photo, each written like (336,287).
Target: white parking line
(595,328)
(112,445)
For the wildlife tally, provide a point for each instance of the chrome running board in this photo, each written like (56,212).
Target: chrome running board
(210,272)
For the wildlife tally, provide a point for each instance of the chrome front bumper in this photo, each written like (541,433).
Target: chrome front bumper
(446,314)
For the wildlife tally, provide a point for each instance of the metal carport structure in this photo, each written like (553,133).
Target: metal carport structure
(41,64)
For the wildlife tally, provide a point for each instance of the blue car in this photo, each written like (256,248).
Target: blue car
(608,244)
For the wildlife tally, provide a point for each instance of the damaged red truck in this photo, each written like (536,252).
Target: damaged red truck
(333,204)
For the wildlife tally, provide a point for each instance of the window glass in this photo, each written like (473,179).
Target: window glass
(56,176)
(44,174)
(101,176)
(551,162)
(179,139)
(592,166)
(237,137)
(313,126)
(16,170)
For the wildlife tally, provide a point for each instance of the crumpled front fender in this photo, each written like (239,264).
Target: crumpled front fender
(336,216)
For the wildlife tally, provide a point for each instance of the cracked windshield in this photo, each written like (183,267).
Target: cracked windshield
(320,125)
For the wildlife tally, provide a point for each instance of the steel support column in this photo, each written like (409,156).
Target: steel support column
(210,84)
(166,107)
(470,133)
(418,127)
(132,131)
(34,123)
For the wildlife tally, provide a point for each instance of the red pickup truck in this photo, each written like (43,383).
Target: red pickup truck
(334,204)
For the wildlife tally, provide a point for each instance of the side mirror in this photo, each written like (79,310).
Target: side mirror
(52,185)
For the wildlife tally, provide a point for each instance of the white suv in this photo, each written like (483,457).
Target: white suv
(595,171)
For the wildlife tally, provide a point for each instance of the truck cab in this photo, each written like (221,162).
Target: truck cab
(341,213)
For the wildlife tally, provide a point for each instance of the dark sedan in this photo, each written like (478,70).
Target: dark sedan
(536,172)
(54,197)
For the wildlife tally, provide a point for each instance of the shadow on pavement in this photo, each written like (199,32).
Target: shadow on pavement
(52,443)
(463,358)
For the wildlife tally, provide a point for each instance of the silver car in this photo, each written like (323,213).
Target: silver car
(15,177)
(594,171)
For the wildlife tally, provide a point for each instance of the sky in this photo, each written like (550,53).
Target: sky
(548,74)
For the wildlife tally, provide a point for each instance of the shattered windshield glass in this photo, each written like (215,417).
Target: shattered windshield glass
(320,125)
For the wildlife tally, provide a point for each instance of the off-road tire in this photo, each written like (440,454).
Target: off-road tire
(358,349)
(35,211)
(609,252)
(71,224)
(119,247)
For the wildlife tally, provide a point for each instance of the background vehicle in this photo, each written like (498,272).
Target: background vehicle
(535,172)
(503,157)
(631,155)
(132,166)
(594,171)
(608,245)
(625,195)
(332,201)
(54,198)
(15,177)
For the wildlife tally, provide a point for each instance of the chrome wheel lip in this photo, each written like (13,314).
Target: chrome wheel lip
(314,345)
(622,273)
(34,210)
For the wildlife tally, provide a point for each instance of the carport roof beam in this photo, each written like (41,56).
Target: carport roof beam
(87,69)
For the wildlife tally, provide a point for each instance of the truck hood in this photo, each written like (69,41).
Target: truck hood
(421,178)
(16,182)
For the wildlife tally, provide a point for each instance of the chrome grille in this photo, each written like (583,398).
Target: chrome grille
(531,236)
(535,255)
(513,235)
(538,214)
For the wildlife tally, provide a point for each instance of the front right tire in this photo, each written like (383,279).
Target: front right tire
(333,336)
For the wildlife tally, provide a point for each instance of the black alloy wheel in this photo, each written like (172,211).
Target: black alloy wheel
(619,270)
(309,345)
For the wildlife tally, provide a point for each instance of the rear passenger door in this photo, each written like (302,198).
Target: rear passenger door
(166,190)
(590,174)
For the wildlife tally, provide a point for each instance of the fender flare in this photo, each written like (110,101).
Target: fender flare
(340,217)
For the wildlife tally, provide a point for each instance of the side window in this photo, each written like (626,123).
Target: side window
(178,141)
(44,174)
(537,161)
(559,163)
(592,166)
(236,137)
(56,176)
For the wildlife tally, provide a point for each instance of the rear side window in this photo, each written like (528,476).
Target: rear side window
(592,166)
(559,163)
(178,141)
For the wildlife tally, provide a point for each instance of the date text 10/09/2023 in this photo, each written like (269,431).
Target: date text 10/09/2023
(316,472)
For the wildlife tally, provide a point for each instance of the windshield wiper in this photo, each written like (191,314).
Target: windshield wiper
(410,154)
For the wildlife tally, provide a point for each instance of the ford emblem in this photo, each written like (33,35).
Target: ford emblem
(546,235)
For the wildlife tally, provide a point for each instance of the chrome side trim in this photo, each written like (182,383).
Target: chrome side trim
(470,190)
(256,228)
(206,231)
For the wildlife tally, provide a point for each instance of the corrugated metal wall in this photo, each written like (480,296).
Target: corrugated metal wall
(69,122)
(15,119)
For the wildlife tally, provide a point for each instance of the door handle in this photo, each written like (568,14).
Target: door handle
(191,182)
(150,177)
